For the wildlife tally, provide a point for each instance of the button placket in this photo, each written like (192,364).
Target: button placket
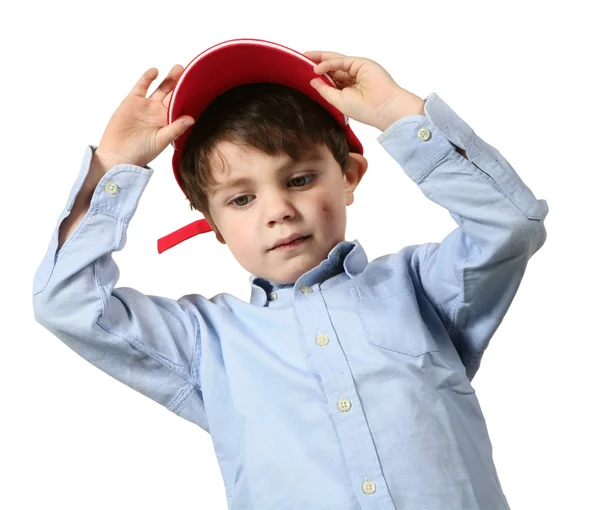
(331,365)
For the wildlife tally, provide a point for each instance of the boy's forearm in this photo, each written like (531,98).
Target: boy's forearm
(100,165)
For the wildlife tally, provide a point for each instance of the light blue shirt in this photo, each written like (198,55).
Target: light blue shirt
(350,389)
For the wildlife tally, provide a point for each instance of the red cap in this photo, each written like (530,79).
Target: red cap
(224,66)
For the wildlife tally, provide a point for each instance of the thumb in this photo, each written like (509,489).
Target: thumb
(328,92)
(174,130)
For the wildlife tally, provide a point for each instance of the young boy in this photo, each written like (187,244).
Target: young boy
(342,384)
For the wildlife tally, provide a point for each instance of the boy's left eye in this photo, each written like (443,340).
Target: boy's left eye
(299,181)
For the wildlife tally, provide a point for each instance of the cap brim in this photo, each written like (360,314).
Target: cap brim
(240,61)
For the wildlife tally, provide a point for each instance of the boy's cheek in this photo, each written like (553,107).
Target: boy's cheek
(327,212)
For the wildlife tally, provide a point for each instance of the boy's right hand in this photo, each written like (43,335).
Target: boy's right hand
(138,131)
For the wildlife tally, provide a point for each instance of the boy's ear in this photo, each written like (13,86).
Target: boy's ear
(357,166)
(215,229)
(219,236)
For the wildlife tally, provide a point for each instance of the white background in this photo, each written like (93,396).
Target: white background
(523,75)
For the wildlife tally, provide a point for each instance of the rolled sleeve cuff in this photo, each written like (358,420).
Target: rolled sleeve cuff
(419,142)
(117,195)
(120,189)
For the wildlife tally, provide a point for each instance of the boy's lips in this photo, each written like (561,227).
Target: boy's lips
(287,240)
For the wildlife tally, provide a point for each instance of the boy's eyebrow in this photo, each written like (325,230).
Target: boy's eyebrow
(312,157)
(231,184)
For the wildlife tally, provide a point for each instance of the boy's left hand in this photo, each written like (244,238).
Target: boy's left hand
(366,92)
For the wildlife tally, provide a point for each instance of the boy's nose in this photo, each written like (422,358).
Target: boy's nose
(279,208)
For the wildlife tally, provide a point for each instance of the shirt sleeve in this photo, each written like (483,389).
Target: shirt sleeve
(147,342)
(472,276)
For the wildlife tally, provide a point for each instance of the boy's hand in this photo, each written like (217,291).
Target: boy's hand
(368,93)
(137,131)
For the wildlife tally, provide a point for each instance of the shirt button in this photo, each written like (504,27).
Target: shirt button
(424,134)
(322,339)
(344,404)
(368,487)
(111,187)
(305,289)
(273,296)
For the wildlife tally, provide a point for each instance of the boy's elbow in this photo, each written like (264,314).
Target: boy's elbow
(44,312)
(541,235)
(56,314)
(528,236)
(537,228)
(41,308)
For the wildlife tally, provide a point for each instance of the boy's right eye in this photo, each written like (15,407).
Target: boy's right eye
(235,201)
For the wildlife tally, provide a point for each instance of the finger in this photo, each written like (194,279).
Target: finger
(167,99)
(141,87)
(341,78)
(171,132)
(343,64)
(167,84)
(320,56)
(340,84)
(329,93)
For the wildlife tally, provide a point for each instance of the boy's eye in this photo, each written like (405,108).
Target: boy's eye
(296,182)
(244,197)
(299,181)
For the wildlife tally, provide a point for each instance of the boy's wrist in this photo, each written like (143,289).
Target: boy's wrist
(100,165)
(398,108)
(102,162)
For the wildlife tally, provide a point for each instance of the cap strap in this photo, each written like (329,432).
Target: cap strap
(182,234)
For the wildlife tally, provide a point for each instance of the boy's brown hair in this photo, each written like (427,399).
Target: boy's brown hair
(272,118)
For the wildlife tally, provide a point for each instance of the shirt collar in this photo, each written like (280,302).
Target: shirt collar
(345,256)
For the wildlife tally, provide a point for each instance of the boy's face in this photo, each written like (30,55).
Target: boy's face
(280,197)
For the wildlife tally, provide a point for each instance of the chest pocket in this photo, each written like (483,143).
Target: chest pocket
(391,318)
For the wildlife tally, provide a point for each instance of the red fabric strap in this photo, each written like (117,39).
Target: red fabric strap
(182,234)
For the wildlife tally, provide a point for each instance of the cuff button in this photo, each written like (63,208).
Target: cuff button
(111,187)
(424,134)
